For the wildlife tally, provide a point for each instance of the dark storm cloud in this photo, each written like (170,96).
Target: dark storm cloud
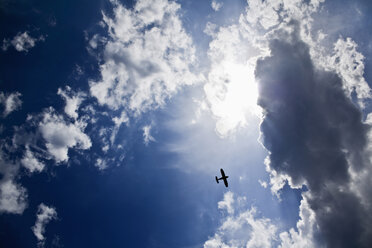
(314,134)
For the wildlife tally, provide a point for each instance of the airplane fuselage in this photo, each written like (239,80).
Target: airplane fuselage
(224,178)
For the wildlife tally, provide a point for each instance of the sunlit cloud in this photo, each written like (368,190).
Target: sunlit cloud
(280,101)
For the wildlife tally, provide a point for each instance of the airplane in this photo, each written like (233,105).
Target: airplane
(224,178)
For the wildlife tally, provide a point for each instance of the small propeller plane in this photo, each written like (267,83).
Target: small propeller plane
(224,178)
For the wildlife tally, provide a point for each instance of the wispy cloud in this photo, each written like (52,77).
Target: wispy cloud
(22,42)
(101,164)
(43,216)
(30,162)
(11,102)
(147,138)
(216,5)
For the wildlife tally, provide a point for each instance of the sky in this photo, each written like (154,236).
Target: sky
(116,116)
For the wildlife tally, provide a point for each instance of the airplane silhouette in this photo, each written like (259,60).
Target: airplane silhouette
(224,178)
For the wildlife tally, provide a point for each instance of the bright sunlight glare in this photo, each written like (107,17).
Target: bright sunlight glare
(232,92)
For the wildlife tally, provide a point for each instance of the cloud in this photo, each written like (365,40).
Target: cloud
(349,64)
(101,164)
(147,58)
(147,138)
(230,91)
(262,183)
(216,6)
(30,162)
(13,197)
(210,29)
(315,136)
(244,227)
(43,216)
(227,203)
(60,135)
(11,102)
(313,131)
(44,136)
(264,16)
(118,121)
(307,229)
(95,40)
(22,42)
(72,99)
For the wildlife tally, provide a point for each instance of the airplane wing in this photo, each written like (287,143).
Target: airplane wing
(222,173)
(225,182)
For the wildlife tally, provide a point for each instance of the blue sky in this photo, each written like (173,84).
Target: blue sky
(116,116)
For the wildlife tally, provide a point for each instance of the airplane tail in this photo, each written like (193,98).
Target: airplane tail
(217,180)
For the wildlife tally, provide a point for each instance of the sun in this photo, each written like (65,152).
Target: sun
(232,93)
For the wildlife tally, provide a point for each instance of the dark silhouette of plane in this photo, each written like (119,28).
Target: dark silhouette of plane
(224,178)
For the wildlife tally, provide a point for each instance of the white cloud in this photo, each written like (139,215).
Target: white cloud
(349,64)
(73,101)
(306,228)
(147,138)
(95,40)
(227,203)
(118,121)
(263,183)
(243,227)
(101,164)
(78,70)
(231,90)
(210,29)
(44,215)
(216,6)
(278,180)
(22,42)
(264,13)
(147,58)
(60,135)
(11,102)
(12,197)
(30,162)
